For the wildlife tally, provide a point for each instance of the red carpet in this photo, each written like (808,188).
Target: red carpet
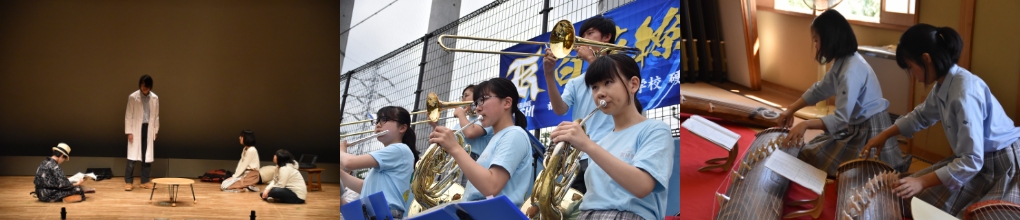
(697,189)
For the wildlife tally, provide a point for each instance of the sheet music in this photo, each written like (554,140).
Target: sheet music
(923,210)
(79,176)
(349,195)
(796,170)
(711,131)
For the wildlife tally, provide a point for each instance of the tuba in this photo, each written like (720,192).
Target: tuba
(553,183)
(434,177)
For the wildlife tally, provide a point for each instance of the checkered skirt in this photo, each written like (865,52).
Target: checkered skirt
(997,180)
(608,214)
(827,151)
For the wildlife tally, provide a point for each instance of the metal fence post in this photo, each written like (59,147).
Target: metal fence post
(343,101)
(421,72)
(545,28)
(545,16)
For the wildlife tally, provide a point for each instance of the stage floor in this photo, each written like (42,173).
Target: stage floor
(111,202)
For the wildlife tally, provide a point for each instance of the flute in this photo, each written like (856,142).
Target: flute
(370,137)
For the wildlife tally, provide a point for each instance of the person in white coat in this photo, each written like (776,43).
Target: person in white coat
(141,124)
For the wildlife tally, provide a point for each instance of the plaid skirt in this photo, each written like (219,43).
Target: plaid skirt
(996,181)
(827,151)
(608,214)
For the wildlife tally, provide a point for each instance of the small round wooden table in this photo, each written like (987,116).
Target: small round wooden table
(174,184)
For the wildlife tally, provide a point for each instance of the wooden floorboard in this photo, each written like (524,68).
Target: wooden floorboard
(111,202)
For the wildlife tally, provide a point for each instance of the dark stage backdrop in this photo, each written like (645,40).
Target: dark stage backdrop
(67,67)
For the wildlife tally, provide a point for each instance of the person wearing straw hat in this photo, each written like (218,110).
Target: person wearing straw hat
(51,185)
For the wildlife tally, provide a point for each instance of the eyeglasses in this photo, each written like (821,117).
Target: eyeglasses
(481,100)
(382,120)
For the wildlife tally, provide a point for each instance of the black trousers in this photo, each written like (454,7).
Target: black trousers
(283,195)
(129,173)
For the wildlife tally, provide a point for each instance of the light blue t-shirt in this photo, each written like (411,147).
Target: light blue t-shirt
(510,149)
(392,176)
(646,145)
(477,144)
(577,95)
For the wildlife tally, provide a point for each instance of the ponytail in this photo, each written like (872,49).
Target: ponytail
(950,41)
(942,44)
(409,140)
(519,118)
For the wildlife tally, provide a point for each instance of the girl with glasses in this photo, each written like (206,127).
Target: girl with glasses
(392,165)
(504,167)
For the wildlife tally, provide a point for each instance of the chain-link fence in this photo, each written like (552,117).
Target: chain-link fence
(405,76)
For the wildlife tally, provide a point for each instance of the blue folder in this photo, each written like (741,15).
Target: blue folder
(673,203)
(494,208)
(371,207)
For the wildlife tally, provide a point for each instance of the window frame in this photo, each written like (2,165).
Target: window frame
(886,20)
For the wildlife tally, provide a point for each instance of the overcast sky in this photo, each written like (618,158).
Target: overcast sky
(378,35)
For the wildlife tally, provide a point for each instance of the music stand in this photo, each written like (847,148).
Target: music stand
(722,163)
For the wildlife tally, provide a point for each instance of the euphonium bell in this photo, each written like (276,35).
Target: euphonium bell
(553,183)
(435,174)
(434,107)
(562,39)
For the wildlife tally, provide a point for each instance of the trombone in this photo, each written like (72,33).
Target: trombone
(562,40)
(433,108)
(432,101)
(370,120)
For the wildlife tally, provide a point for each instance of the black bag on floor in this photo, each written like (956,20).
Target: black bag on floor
(217,175)
(101,173)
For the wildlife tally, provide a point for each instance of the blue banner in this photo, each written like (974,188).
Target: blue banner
(653,26)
